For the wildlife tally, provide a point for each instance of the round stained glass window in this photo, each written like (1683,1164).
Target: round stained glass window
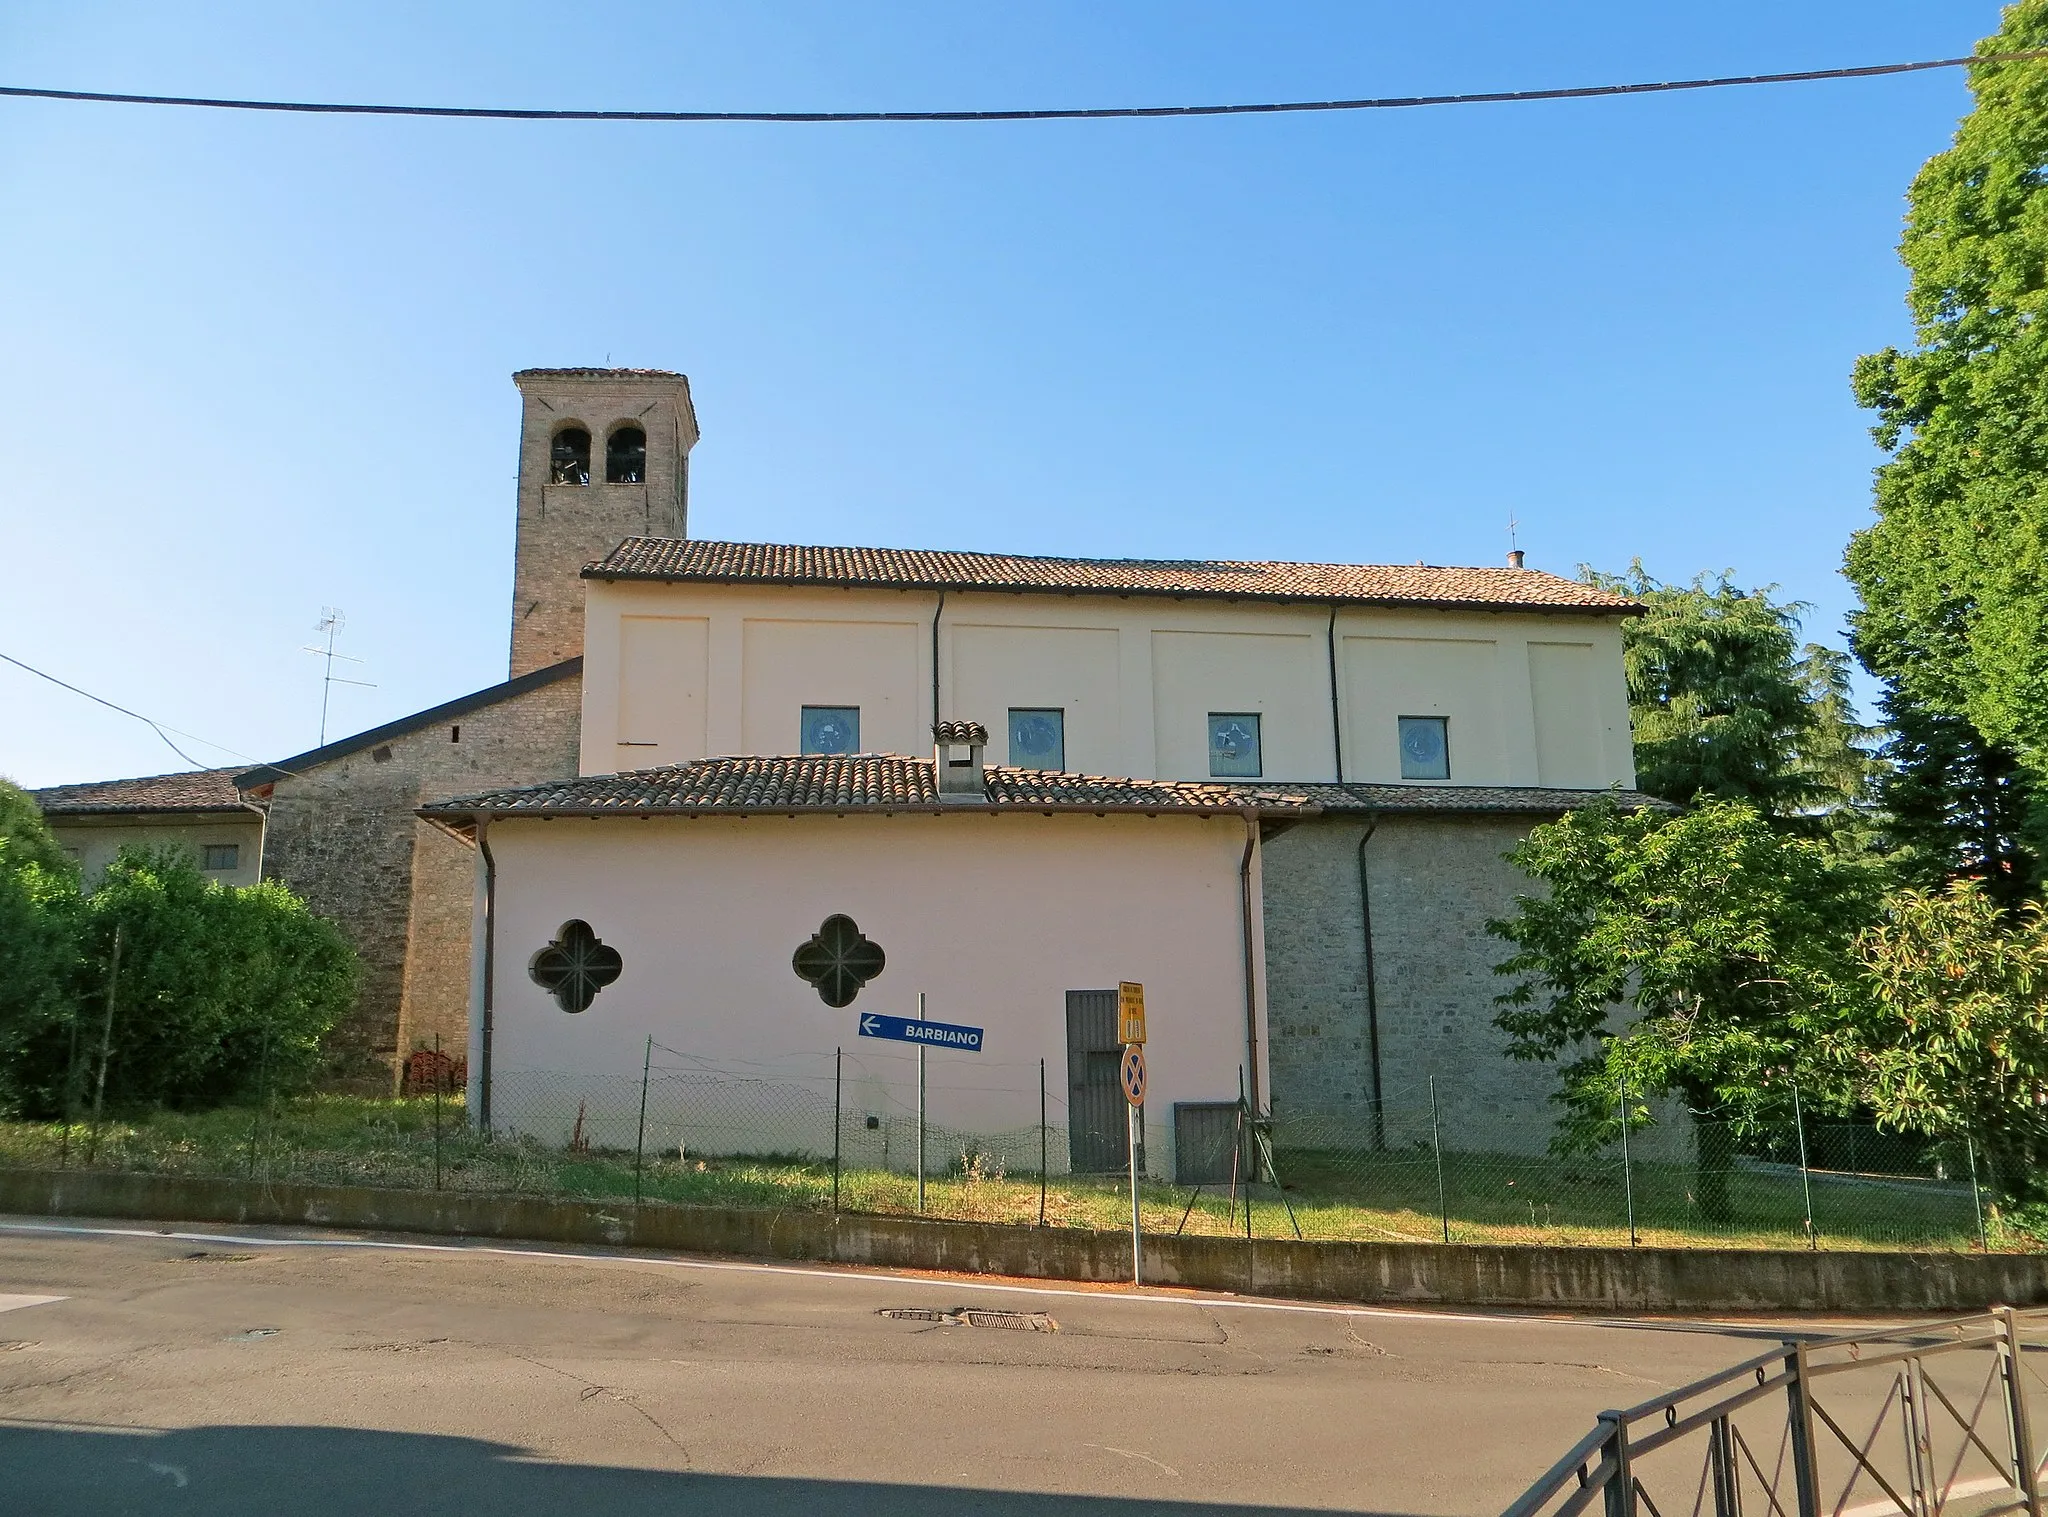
(1425,749)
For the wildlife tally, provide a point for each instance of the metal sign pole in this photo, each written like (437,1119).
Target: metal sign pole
(1137,1241)
(920,1109)
(1131,1075)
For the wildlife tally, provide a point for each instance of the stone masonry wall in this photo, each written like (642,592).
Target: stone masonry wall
(563,527)
(343,835)
(1435,880)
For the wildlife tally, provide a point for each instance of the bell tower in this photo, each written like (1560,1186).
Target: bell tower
(604,454)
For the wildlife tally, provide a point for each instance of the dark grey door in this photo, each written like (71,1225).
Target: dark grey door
(1096,1136)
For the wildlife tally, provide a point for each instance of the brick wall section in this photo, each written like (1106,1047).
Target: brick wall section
(343,835)
(1435,883)
(563,527)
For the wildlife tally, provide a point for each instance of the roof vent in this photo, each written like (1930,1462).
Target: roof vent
(957,760)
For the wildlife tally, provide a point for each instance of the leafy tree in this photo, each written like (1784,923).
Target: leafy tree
(27,835)
(1726,704)
(220,992)
(1699,954)
(1953,575)
(1955,1039)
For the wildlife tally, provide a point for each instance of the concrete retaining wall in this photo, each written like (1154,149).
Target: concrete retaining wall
(1645,1279)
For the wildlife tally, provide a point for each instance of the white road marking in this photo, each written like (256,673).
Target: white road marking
(1419,1313)
(15,1303)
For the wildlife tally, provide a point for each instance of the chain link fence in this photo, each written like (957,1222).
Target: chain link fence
(985,1140)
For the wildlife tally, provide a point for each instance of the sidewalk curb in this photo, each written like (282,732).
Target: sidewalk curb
(1596,1279)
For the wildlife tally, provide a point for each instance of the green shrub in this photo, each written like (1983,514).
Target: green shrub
(40,916)
(218,992)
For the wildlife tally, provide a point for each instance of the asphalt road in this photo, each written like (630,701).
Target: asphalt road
(198,1372)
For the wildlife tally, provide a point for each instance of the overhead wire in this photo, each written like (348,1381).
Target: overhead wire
(1076,113)
(161,729)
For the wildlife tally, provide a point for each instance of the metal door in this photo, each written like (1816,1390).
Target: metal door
(1206,1136)
(1096,1138)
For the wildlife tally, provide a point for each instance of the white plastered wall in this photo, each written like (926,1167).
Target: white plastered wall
(1532,699)
(95,841)
(993,917)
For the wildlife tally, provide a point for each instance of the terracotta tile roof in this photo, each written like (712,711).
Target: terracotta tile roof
(596,374)
(193,790)
(695,560)
(887,782)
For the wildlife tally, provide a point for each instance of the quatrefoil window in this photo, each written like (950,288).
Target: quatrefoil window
(838,960)
(575,967)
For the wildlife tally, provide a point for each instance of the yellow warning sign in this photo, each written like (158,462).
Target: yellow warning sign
(1130,1013)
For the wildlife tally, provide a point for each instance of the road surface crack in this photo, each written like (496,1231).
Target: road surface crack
(592,1389)
(1134,1454)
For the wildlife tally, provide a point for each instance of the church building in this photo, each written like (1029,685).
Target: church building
(736,796)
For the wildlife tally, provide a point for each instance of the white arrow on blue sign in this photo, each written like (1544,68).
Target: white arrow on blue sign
(932,1034)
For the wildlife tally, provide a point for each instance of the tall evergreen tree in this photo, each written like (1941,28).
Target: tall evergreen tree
(1954,806)
(1953,575)
(1727,705)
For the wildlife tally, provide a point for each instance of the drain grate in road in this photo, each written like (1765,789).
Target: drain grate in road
(205,1257)
(1017,1322)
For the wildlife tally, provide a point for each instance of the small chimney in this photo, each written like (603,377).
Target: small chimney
(957,760)
(1514,558)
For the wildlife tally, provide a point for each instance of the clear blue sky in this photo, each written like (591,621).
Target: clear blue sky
(254,365)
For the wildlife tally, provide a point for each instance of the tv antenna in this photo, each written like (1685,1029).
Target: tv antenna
(331,622)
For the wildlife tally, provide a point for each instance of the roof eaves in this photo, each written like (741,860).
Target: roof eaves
(1185,592)
(145,809)
(298,763)
(458,811)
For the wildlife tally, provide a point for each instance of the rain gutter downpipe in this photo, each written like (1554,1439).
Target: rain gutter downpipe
(937,612)
(1251,995)
(483,845)
(1336,716)
(1372,990)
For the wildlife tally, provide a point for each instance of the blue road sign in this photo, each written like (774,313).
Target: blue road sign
(932,1034)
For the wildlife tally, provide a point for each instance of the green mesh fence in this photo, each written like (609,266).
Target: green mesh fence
(997,1141)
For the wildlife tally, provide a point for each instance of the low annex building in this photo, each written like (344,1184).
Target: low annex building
(200,810)
(1006,898)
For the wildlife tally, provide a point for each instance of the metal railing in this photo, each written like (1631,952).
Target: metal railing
(1922,1421)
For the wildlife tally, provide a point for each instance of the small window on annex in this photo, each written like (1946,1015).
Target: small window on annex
(569,457)
(1234,745)
(625,456)
(222,855)
(830,729)
(1038,738)
(1425,748)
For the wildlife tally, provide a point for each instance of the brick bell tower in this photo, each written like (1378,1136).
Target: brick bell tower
(604,454)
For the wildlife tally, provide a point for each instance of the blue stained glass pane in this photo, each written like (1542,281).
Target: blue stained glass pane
(831,729)
(1425,748)
(1038,739)
(1234,744)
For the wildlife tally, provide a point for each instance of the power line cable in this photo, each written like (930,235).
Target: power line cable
(159,728)
(1102,113)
